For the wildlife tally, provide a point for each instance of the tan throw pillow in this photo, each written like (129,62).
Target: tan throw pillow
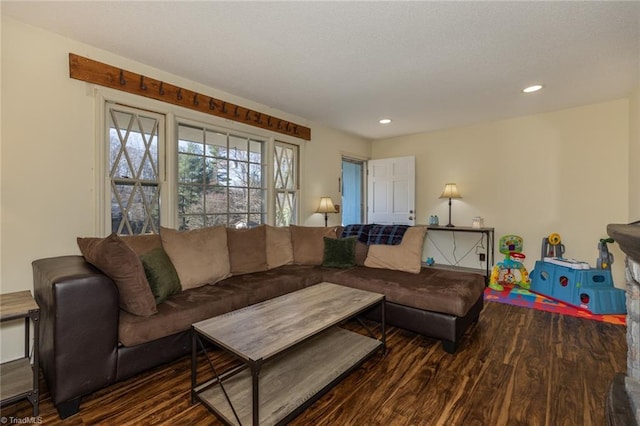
(247,250)
(120,263)
(308,243)
(279,247)
(406,256)
(200,256)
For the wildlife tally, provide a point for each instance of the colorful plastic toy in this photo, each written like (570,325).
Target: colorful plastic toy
(577,284)
(504,272)
(552,246)
(605,259)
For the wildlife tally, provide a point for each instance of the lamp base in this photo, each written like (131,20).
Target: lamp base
(450,225)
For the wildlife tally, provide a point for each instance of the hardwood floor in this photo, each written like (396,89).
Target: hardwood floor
(517,366)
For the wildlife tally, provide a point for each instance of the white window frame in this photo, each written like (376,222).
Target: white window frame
(267,142)
(169,163)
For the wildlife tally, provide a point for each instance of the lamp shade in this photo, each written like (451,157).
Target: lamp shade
(326,206)
(450,191)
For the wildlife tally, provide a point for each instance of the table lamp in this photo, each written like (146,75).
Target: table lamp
(450,191)
(326,206)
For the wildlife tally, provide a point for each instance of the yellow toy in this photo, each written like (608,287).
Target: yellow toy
(503,272)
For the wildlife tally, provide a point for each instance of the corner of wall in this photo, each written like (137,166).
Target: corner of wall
(634,155)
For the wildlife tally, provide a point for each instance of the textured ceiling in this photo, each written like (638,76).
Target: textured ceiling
(426,65)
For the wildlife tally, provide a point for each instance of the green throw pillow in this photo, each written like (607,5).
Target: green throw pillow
(339,252)
(161,274)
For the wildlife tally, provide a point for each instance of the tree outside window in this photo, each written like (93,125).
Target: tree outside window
(220,178)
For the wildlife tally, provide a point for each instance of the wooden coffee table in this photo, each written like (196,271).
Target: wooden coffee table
(291,349)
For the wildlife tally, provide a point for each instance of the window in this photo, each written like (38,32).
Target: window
(286,183)
(157,168)
(220,178)
(134,169)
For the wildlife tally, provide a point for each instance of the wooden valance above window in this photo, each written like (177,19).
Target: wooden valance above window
(96,72)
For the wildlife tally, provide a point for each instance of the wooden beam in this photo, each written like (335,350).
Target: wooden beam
(95,72)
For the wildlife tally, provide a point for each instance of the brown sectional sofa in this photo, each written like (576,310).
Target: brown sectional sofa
(89,341)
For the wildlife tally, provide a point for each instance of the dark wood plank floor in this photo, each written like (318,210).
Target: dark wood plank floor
(517,366)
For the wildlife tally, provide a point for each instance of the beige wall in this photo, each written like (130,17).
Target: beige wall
(564,172)
(48,154)
(634,155)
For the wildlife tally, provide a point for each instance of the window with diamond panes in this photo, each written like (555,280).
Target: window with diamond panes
(286,183)
(134,138)
(220,178)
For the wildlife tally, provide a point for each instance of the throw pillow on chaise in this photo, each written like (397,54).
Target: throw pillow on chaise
(120,263)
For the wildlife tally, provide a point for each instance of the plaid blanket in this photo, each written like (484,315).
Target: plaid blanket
(360,231)
(376,234)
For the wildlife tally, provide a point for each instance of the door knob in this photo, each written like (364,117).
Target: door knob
(410,217)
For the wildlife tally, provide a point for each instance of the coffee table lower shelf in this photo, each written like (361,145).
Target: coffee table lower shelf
(291,381)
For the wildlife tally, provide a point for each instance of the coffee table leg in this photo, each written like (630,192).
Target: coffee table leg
(194,365)
(384,327)
(255,375)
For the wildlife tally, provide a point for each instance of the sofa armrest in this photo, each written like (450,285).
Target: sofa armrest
(79,314)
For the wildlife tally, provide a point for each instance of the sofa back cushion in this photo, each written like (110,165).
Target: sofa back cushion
(120,263)
(200,256)
(247,250)
(142,244)
(308,243)
(279,247)
(406,256)
(361,248)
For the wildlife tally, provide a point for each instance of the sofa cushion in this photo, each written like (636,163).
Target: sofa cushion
(200,256)
(120,263)
(275,282)
(308,243)
(181,310)
(161,274)
(436,290)
(339,252)
(279,247)
(177,313)
(406,256)
(142,244)
(247,250)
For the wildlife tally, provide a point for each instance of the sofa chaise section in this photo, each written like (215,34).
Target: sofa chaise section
(437,303)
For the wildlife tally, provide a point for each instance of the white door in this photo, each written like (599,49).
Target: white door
(391,185)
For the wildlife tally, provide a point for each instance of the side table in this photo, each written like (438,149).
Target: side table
(18,378)
(486,232)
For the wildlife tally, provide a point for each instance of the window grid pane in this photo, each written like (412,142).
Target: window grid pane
(286,183)
(221,179)
(133,171)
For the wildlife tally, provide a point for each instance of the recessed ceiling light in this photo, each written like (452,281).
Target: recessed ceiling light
(532,89)
(384,121)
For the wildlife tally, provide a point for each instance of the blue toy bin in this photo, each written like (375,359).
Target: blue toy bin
(590,289)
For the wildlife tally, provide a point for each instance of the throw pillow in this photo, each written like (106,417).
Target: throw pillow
(405,256)
(200,256)
(120,263)
(161,274)
(339,252)
(279,247)
(247,250)
(308,243)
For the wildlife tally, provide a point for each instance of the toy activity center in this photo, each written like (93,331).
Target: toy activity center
(577,283)
(569,281)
